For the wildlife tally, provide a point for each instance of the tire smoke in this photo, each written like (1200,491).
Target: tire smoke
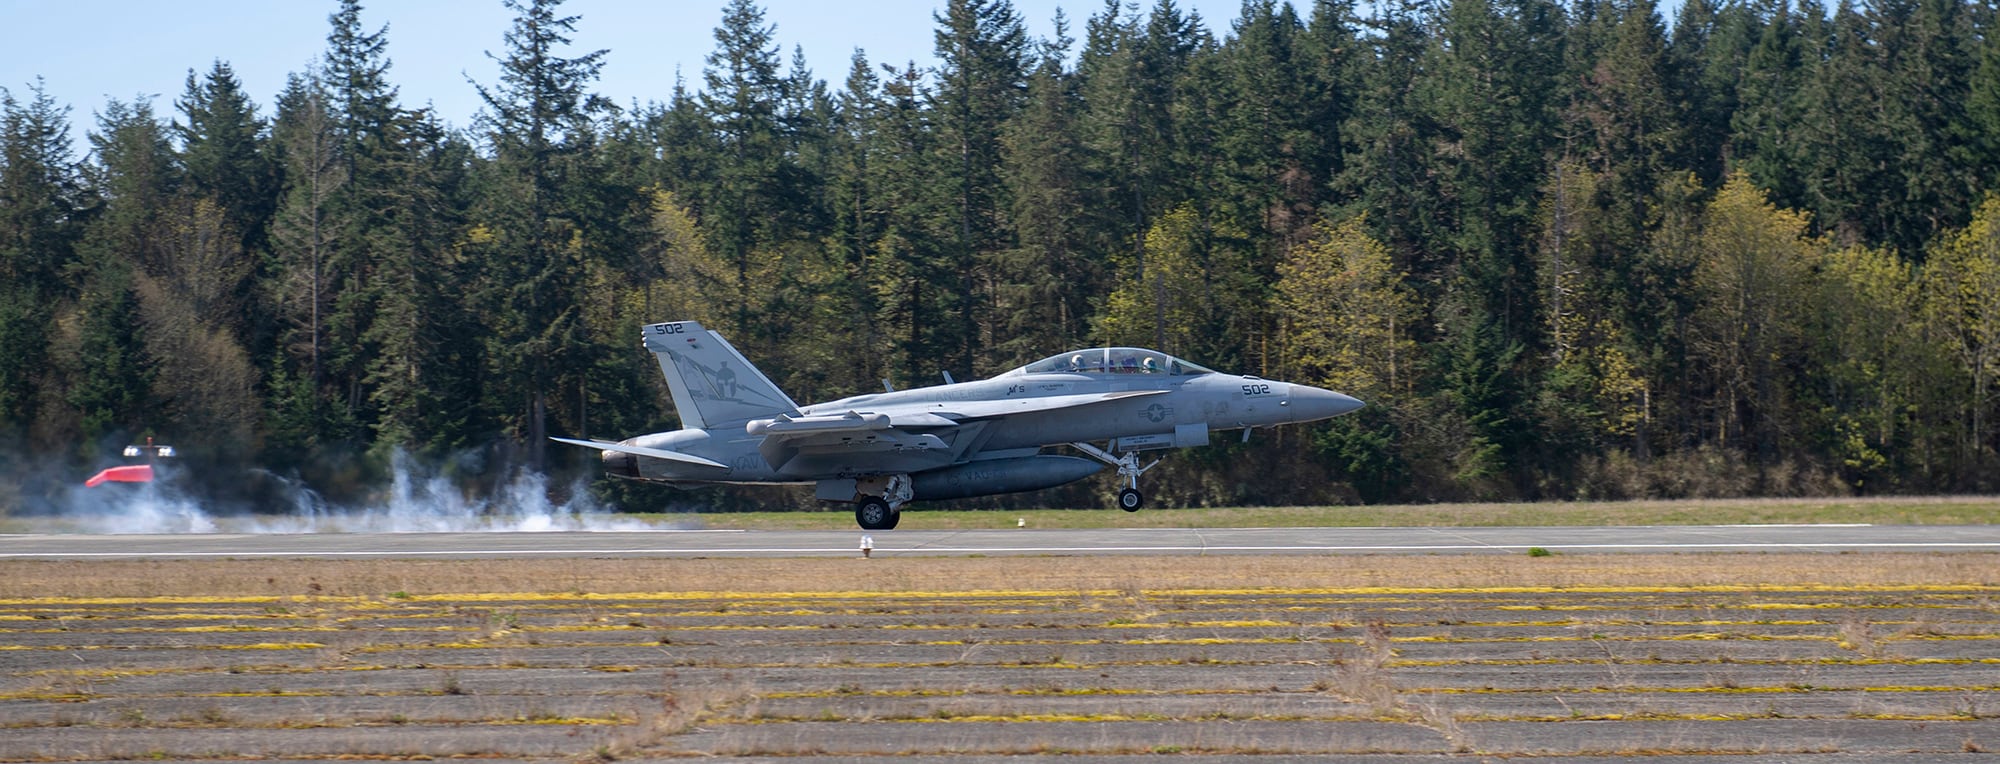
(417,500)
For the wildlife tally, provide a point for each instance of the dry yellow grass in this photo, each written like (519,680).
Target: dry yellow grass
(291,578)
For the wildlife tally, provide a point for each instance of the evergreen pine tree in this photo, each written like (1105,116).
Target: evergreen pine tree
(538,124)
(41,198)
(135,173)
(744,91)
(221,149)
(1047,279)
(981,80)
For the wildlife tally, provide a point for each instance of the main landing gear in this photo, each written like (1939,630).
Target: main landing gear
(882,512)
(1129,497)
(874,514)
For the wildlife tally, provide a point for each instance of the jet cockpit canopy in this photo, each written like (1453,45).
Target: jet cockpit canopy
(1112,361)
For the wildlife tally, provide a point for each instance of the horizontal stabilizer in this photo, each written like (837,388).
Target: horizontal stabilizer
(656,453)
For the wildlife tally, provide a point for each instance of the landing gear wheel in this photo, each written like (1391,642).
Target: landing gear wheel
(874,514)
(1129,498)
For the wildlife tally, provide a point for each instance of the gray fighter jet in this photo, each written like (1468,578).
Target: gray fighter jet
(951,441)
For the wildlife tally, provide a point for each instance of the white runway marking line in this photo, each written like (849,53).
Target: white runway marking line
(1483,527)
(640,530)
(1467,547)
(1029,549)
(431,553)
(1462,535)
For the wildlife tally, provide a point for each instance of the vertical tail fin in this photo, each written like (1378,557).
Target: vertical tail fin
(712,383)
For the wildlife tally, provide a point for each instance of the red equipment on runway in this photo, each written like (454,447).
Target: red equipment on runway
(135,473)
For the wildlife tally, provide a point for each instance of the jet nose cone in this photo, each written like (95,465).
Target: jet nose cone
(1310,404)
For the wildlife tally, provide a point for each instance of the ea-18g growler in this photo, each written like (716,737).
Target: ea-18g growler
(951,441)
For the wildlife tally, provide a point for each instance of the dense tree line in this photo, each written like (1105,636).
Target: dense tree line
(1563,249)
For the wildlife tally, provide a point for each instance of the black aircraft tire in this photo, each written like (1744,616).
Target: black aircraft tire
(1131,500)
(873,514)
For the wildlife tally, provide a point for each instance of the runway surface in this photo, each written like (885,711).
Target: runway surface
(1241,541)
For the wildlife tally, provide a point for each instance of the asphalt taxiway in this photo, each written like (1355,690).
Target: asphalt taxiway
(1016,541)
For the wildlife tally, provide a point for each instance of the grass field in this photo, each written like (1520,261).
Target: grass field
(1925,510)
(1718,658)
(278,579)
(1692,657)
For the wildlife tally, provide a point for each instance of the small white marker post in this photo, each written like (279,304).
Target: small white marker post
(1020,522)
(867,546)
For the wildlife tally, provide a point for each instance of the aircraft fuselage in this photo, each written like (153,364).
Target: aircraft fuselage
(1183,413)
(947,441)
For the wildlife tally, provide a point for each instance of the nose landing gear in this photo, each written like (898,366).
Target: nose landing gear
(1131,500)
(1129,497)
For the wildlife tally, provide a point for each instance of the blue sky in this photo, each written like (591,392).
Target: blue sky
(89,51)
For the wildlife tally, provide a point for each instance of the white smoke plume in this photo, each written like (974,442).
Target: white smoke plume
(418,500)
(129,508)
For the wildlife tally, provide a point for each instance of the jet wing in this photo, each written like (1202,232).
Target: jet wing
(898,432)
(816,424)
(656,453)
(902,419)
(806,425)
